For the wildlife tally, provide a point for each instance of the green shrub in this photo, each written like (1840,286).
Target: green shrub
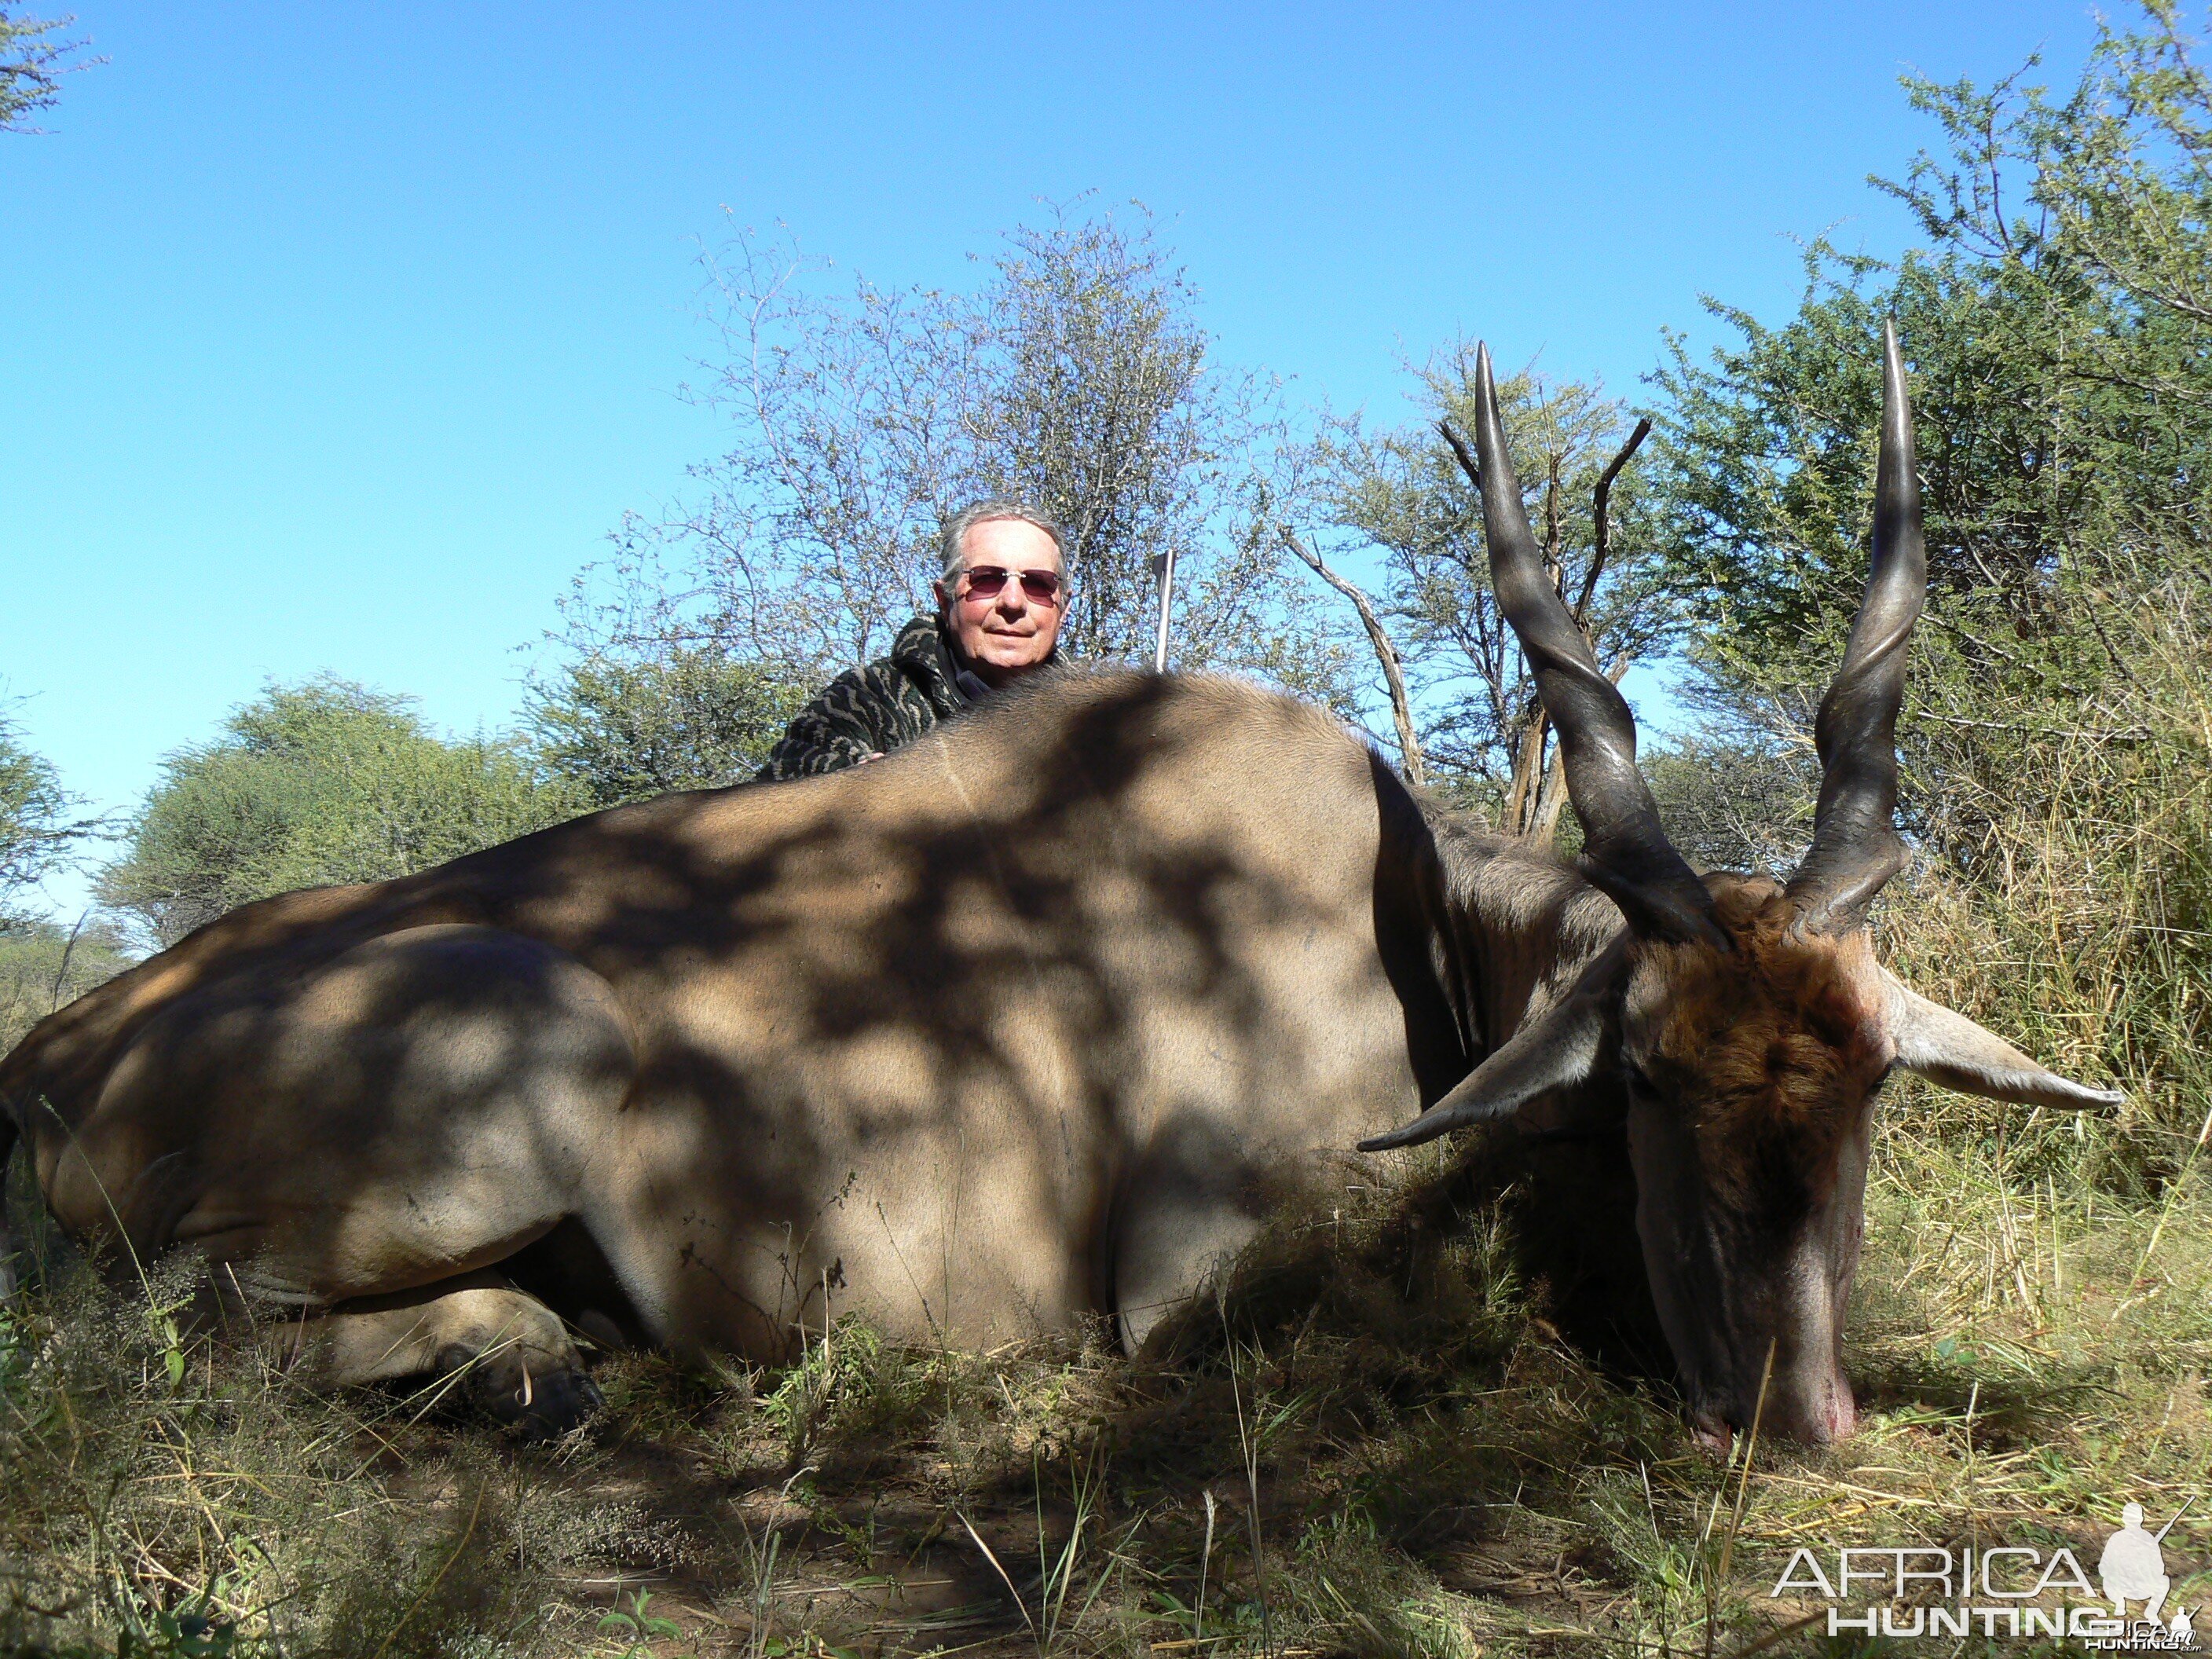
(690,718)
(312,784)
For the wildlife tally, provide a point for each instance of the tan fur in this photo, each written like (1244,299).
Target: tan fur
(1035,1017)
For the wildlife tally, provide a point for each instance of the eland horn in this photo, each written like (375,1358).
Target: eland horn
(1856,847)
(1624,851)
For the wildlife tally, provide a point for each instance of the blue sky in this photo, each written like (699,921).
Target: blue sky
(338,337)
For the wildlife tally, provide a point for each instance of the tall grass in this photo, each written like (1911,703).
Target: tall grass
(1405,1452)
(2075,911)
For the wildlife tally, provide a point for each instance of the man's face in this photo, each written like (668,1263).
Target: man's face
(1003,628)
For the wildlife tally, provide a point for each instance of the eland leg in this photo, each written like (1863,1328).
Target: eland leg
(513,1355)
(1187,1207)
(364,1143)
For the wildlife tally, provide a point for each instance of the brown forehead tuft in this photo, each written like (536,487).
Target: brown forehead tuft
(1786,1025)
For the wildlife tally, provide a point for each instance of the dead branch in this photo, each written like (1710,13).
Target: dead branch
(1466,461)
(1402,708)
(1602,523)
(1528,760)
(1533,799)
(2124,734)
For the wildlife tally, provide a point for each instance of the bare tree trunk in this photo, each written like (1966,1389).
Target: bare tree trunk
(1545,821)
(1402,709)
(1163,576)
(1538,792)
(1521,797)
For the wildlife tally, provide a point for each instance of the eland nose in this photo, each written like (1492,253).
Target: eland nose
(1819,1414)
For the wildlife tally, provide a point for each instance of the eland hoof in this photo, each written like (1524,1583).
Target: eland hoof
(544,1407)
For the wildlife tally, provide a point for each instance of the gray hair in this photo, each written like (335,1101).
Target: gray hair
(956,527)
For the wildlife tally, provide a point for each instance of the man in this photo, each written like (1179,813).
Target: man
(2133,1567)
(1000,602)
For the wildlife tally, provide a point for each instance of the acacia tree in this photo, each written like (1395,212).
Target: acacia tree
(42,964)
(32,63)
(1076,376)
(39,824)
(1409,493)
(310,784)
(616,729)
(2056,745)
(2058,322)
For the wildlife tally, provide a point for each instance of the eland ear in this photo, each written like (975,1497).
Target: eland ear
(1556,1052)
(1949,1048)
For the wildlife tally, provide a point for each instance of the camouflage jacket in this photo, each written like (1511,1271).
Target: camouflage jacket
(874,709)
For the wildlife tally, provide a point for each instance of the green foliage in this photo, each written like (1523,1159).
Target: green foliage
(32,64)
(637,1627)
(313,784)
(38,825)
(2059,329)
(2057,746)
(43,966)
(1389,1432)
(618,730)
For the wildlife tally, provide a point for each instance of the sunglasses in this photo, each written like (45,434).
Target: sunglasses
(987,581)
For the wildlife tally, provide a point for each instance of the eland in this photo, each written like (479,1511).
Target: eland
(1039,1019)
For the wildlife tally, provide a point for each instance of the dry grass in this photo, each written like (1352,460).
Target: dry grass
(2077,917)
(1405,1451)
